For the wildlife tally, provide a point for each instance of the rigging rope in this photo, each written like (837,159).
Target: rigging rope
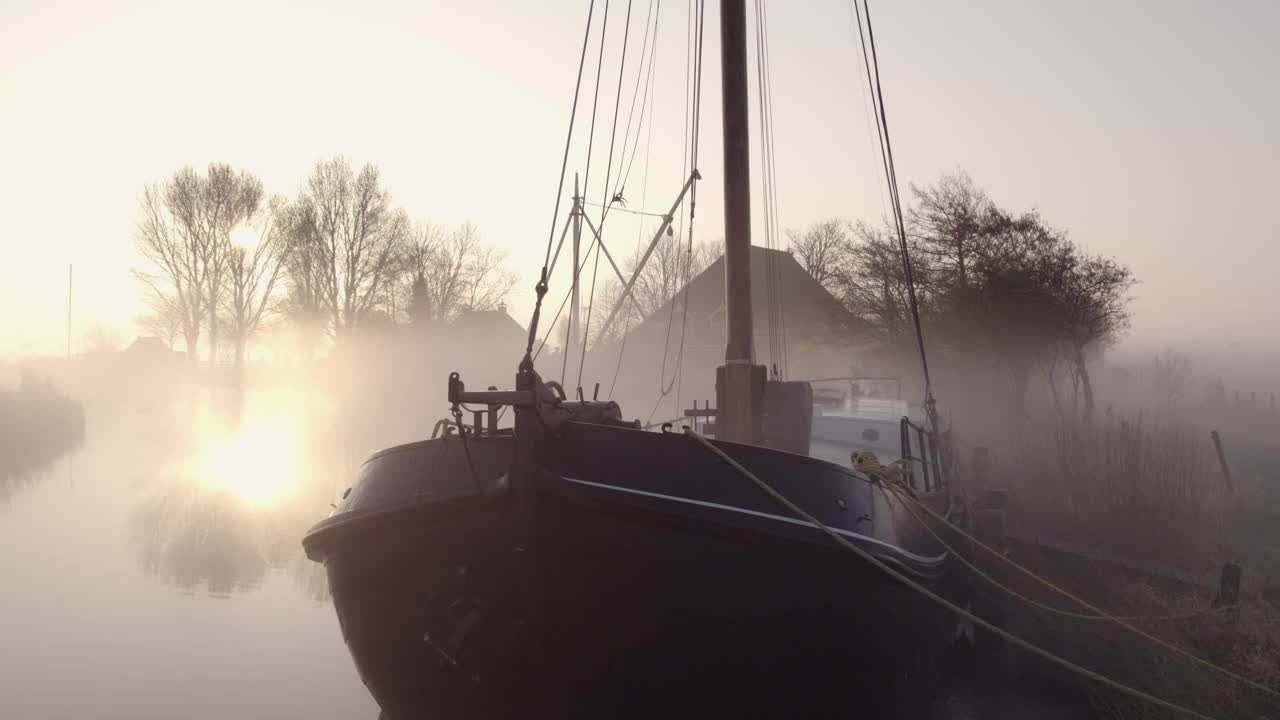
(773,277)
(773,170)
(935,597)
(541,287)
(595,97)
(608,171)
(565,302)
(891,176)
(586,182)
(690,88)
(651,21)
(868,112)
(614,208)
(693,117)
(693,194)
(644,190)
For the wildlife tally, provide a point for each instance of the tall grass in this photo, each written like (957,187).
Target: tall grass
(1130,500)
(1145,490)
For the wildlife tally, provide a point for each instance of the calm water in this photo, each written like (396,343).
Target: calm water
(157,572)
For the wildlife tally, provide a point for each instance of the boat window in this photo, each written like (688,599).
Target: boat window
(871,435)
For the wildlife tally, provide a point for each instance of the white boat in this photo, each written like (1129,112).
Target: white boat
(869,415)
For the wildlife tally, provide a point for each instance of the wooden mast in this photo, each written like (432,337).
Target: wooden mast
(739,382)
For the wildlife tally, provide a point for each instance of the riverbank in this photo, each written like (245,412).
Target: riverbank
(38,424)
(1137,516)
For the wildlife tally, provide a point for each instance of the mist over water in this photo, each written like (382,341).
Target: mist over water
(157,572)
(199,346)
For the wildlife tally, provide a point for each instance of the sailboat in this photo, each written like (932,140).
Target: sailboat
(577,565)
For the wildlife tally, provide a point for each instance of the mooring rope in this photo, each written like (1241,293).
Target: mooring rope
(935,597)
(1027,599)
(1100,613)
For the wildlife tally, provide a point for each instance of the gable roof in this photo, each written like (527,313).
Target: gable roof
(495,324)
(809,312)
(148,344)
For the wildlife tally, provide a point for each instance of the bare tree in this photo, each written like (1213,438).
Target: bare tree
(184,233)
(253,272)
(873,284)
(823,251)
(176,274)
(207,209)
(1092,299)
(452,271)
(956,225)
(304,283)
(165,320)
(346,240)
(671,266)
(102,338)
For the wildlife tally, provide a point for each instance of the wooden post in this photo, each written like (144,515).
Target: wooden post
(740,405)
(904,431)
(1222,459)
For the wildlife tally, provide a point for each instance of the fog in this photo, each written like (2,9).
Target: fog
(194,362)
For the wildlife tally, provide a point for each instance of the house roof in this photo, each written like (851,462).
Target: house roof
(148,344)
(808,311)
(496,324)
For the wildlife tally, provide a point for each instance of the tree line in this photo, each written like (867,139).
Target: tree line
(1002,287)
(223,258)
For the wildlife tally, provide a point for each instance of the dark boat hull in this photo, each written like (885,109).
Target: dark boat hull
(676,594)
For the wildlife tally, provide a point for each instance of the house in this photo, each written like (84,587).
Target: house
(489,344)
(149,347)
(815,335)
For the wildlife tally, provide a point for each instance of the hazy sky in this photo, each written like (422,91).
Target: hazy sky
(1148,130)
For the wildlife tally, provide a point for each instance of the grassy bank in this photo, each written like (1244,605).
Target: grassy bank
(1135,515)
(1143,489)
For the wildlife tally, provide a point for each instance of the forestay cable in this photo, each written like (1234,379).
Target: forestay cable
(541,287)
(891,176)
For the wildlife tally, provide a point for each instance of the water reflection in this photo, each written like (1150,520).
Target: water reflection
(193,536)
(38,425)
(251,475)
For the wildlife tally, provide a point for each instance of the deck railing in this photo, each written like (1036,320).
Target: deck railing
(927,459)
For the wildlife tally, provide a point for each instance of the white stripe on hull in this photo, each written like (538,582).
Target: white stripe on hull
(780,518)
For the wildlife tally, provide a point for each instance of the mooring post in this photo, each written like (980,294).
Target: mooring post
(1222,460)
(493,414)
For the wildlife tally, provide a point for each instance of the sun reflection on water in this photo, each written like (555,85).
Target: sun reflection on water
(256,458)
